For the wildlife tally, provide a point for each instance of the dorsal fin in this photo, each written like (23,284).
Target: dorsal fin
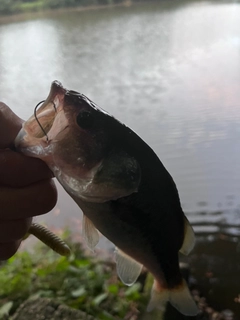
(90,233)
(127,268)
(189,238)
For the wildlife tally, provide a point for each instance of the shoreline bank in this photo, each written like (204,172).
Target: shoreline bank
(21,16)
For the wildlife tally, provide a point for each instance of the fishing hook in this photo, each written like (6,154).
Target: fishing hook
(35,115)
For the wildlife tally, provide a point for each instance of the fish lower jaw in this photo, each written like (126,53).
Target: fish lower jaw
(75,187)
(34,151)
(32,148)
(81,188)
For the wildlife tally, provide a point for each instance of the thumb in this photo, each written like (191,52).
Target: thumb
(10,124)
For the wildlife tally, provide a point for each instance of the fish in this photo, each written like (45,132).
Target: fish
(121,186)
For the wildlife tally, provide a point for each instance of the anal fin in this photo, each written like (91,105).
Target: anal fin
(128,269)
(189,238)
(90,233)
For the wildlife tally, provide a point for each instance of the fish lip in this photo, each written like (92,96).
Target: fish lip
(57,85)
(56,89)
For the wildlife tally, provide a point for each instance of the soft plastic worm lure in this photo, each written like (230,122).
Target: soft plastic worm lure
(49,238)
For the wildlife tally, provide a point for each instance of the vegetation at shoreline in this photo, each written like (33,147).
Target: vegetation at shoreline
(80,281)
(22,6)
(84,282)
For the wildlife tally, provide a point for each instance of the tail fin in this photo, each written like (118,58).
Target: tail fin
(158,299)
(179,297)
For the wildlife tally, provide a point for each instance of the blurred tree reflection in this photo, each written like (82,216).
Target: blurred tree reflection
(21,6)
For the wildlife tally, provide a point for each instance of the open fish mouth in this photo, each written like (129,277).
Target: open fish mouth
(46,122)
(45,119)
(46,112)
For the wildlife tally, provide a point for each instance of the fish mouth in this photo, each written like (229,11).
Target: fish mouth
(39,129)
(46,111)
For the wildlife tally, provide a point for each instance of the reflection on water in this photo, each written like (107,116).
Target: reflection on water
(169,70)
(215,271)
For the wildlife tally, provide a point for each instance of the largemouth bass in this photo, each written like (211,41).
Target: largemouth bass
(121,186)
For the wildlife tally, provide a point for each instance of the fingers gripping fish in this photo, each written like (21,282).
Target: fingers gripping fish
(121,186)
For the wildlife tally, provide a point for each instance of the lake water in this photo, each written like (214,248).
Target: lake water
(169,70)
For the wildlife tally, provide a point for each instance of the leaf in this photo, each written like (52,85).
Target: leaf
(133,291)
(35,296)
(106,316)
(4,310)
(113,288)
(46,293)
(83,282)
(78,293)
(99,299)
(82,263)
(74,269)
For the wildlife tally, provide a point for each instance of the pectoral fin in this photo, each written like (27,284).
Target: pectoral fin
(90,233)
(127,268)
(189,238)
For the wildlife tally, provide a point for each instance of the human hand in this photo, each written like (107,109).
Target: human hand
(26,187)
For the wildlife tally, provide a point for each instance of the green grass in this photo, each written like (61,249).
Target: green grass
(79,281)
(31,6)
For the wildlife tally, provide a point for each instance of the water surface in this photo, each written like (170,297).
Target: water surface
(169,70)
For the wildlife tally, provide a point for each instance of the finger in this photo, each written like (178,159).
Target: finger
(14,230)
(17,170)
(33,200)
(7,250)
(10,124)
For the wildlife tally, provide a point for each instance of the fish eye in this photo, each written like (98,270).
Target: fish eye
(85,120)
